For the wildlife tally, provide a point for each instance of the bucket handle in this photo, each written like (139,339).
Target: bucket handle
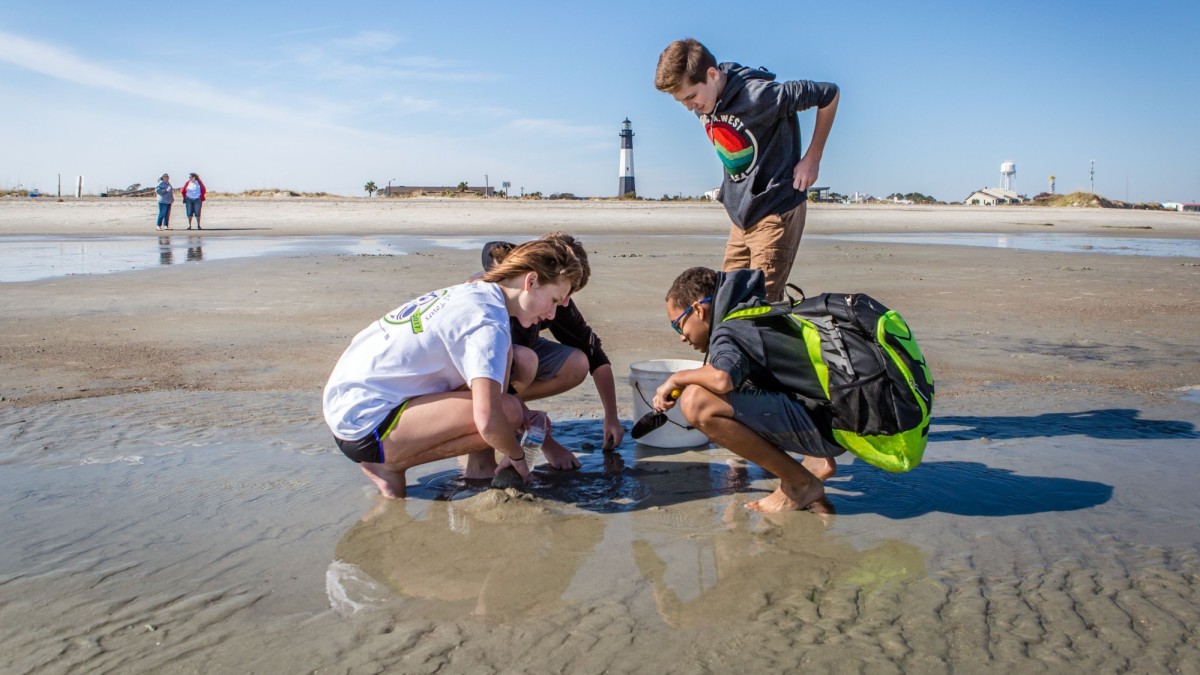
(637,387)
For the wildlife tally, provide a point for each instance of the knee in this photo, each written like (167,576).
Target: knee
(696,405)
(514,412)
(575,368)
(524,367)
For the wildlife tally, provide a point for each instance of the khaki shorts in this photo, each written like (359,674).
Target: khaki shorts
(769,245)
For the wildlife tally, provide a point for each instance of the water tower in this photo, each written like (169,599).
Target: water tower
(1007,171)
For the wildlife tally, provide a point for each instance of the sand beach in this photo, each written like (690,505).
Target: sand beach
(173,501)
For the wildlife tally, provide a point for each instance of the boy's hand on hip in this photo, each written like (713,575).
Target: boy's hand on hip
(805,173)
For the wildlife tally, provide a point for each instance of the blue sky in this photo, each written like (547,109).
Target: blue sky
(324,97)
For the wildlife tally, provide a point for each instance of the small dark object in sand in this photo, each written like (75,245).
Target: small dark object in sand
(509,478)
(587,447)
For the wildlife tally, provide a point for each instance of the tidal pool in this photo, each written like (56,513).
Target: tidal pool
(29,258)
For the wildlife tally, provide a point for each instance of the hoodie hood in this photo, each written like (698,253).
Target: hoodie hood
(738,289)
(736,77)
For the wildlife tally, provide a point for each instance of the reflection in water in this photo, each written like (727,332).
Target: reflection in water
(667,536)
(494,555)
(165,255)
(755,566)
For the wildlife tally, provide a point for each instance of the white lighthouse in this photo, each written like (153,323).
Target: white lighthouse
(625,181)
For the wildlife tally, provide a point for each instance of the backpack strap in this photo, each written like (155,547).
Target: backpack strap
(799,292)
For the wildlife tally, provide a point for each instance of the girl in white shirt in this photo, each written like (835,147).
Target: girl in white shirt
(427,381)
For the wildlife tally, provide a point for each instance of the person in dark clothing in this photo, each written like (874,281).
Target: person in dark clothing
(544,367)
(734,398)
(751,120)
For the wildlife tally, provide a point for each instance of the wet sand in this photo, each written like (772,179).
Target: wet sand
(173,501)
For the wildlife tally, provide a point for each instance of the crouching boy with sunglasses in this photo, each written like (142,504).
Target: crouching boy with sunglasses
(734,398)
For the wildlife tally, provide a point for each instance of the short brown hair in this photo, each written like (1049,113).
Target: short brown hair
(496,251)
(580,255)
(694,284)
(683,62)
(552,260)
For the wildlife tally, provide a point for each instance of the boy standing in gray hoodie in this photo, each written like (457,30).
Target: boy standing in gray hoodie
(751,121)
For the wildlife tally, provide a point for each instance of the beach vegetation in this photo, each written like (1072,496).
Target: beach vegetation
(370,188)
(1089,200)
(913,197)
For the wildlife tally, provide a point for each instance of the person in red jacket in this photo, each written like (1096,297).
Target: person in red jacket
(193,198)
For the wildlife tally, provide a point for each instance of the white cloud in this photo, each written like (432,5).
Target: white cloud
(166,87)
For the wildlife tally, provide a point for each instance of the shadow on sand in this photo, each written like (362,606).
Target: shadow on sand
(1111,423)
(639,477)
(959,488)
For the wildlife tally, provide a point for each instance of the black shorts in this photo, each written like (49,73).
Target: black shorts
(369,448)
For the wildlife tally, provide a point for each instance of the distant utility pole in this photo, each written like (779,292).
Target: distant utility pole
(485,186)
(1092,176)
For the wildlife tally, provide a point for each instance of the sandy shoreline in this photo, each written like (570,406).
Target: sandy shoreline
(174,503)
(310,216)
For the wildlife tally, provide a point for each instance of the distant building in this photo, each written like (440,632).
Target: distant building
(713,194)
(992,197)
(1172,206)
(432,190)
(1190,208)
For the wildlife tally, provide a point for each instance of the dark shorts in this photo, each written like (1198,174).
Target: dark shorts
(551,357)
(192,206)
(782,420)
(369,448)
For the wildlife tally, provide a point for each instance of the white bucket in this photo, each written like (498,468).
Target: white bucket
(644,378)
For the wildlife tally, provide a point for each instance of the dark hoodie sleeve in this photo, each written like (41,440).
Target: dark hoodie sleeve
(734,346)
(570,329)
(725,353)
(798,95)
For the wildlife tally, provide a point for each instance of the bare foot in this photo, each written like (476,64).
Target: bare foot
(823,468)
(481,465)
(789,498)
(390,483)
(558,456)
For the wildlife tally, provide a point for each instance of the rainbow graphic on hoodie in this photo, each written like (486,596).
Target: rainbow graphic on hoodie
(735,150)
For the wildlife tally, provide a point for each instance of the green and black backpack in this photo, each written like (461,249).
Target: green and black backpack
(858,365)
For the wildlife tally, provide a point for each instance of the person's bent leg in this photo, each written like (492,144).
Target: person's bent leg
(560,368)
(715,416)
(524,369)
(433,427)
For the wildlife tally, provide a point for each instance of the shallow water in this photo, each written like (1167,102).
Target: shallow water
(1037,241)
(31,258)
(24,258)
(1044,531)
